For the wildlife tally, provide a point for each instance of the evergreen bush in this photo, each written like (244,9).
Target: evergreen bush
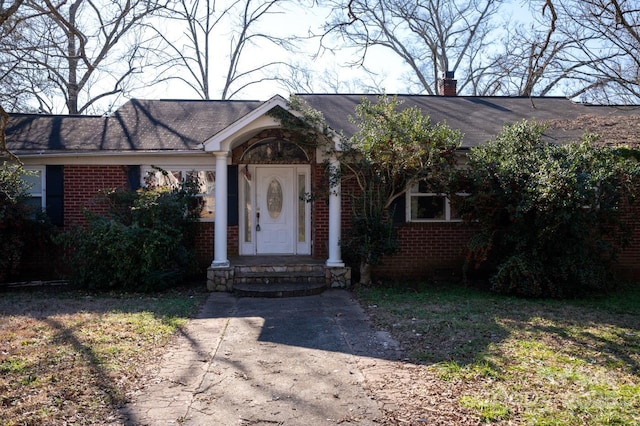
(550,217)
(21,226)
(144,244)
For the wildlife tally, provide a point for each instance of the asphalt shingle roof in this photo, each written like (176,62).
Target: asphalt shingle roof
(139,125)
(39,133)
(482,118)
(166,125)
(171,125)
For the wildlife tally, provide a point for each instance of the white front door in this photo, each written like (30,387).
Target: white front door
(275,210)
(276,215)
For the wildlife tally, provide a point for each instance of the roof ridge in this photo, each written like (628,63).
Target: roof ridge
(418,95)
(46,115)
(197,100)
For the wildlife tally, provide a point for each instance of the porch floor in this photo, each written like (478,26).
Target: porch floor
(274,260)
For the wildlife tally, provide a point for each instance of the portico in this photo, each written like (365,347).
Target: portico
(274,207)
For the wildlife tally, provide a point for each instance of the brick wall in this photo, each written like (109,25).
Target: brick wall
(204,243)
(319,213)
(425,249)
(82,185)
(628,263)
(232,241)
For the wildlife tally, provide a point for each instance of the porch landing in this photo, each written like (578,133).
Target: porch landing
(275,260)
(277,276)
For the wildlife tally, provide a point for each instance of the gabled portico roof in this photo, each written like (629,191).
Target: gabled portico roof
(246,126)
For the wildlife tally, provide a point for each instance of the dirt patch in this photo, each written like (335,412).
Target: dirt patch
(468,358)
(410,394)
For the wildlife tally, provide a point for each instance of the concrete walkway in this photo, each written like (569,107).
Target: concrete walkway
(250,361)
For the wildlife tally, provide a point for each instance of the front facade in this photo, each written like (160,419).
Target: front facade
(263,188)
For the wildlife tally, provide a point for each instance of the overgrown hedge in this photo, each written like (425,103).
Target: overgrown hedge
(22,227)
(549,217)
(145,243)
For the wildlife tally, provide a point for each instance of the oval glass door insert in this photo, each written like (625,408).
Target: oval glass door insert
(274,199)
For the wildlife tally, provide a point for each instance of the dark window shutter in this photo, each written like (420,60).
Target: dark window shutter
(133,178)
(399,209)
(232,195)
(55,194)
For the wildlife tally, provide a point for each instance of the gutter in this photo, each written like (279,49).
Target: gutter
(48,154)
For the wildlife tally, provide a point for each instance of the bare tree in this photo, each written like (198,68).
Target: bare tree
(608,33)
(431,36)
(19,80)
(211,53)
(587,49)
(303,78)
(84,51)
(7,11)
(584,49)
(534,59)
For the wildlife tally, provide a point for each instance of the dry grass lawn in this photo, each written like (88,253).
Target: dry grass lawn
(70,357)
(482,358)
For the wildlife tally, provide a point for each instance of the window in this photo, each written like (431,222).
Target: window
(174,176)
(37,187)
(424,205)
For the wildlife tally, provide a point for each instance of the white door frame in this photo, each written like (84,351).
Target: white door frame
(247,210)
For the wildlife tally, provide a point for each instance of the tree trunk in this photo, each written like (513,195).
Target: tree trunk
(365,273)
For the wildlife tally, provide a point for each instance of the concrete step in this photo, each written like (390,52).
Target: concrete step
(278,290)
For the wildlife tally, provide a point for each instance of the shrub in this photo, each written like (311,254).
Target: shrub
(372,234)
(144,244)
(549,216)
(394,148)
(21,227)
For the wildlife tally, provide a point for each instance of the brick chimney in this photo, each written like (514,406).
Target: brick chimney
(447,85)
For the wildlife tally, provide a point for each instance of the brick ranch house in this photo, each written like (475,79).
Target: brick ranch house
(253,173)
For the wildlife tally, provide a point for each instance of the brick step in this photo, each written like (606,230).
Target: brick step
(278,290)
(319,273)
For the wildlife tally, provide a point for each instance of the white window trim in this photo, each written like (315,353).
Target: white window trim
(43,185)
(447,207)
(184,170)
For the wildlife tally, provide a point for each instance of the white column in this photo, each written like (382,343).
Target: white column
(335,213)
(220,238)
